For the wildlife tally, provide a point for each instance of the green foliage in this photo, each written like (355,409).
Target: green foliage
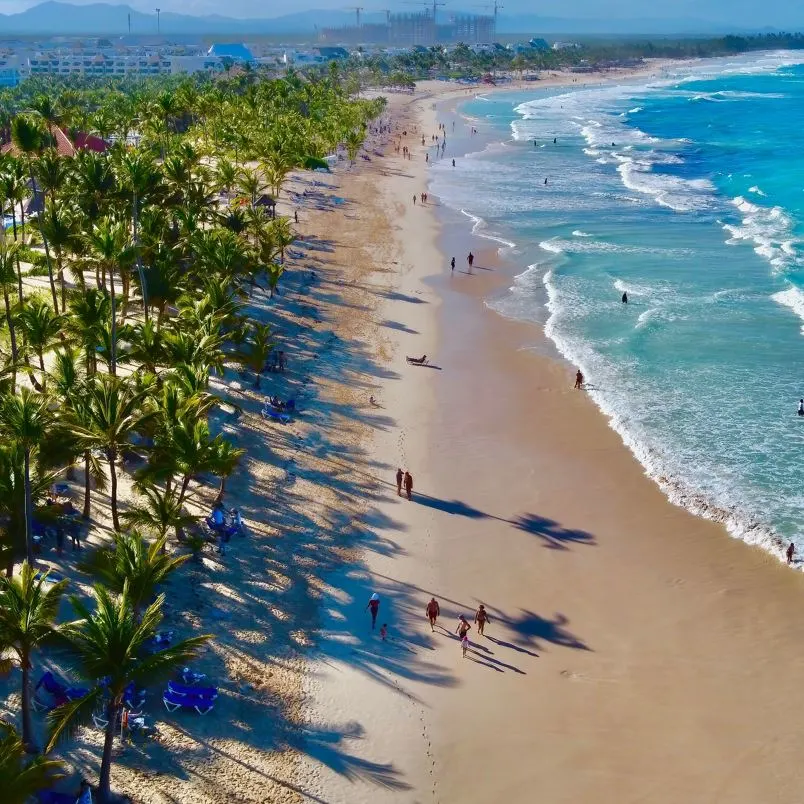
(23,776)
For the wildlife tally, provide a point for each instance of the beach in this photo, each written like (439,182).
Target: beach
(635,652)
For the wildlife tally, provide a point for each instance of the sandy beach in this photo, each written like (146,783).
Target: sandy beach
(635,652)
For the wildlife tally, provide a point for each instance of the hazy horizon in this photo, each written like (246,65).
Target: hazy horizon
(732,13)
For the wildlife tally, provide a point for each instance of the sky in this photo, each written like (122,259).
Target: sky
(744,13)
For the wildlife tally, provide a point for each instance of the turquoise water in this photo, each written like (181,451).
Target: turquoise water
(688,194)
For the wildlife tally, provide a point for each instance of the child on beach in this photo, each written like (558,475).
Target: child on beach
(463,633)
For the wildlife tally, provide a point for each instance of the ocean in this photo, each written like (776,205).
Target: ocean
(685,191)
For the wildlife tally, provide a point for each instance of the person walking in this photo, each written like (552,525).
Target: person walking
(409,485)
(791,549)
(463,633)
(578,380)
(399,482)
(452,264)
(471,260)
(432,611)
(374,607)
(481,618)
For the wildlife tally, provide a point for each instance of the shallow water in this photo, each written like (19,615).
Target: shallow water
(686,193)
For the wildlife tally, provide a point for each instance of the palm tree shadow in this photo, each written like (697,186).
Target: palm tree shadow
(457,507)
(503,644)
(556,536)
(323,746)
(532,629)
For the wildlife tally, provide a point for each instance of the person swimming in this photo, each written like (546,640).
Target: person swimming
(625,298)
(801,407)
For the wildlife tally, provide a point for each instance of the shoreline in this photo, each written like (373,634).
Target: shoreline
(621,657)
(740,525)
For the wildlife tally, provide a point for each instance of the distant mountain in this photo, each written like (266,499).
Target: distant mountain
(103,18)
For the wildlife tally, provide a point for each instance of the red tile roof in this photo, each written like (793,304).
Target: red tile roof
(83,141)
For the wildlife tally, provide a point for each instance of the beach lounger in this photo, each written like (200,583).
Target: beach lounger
(268,413)
(202,703)
(50,684)
(59,693)
(186,689)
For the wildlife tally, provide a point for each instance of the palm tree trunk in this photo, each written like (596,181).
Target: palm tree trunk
(12,333)
(184,483)
(47,247)
(87,479)
(105,781)
(113,488)
(28,509)
(19,270)
(27,726)
(113,355)
(50,274)
(60,269)
(143,289)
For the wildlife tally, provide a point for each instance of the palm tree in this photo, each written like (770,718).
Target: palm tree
(112,644)
(260,343)
(68,384)
(147,348)
(9,255)
(21,777)
(107,414)
(29,137)
(12,501)
(140,178)
(29,604)
(132,562)
(41,327)
(57,224)
(197,348)
(159,512)
(14,188)
(163,278)
(223,459)
(110,248)
(282,234)
(87,321)
(25,419)
(94,183)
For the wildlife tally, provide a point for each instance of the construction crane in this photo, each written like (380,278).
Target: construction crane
(426,3)
(496,6)
(357,10)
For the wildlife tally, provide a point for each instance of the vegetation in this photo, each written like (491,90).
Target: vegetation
(21,775)
(461,62)
(123,270)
